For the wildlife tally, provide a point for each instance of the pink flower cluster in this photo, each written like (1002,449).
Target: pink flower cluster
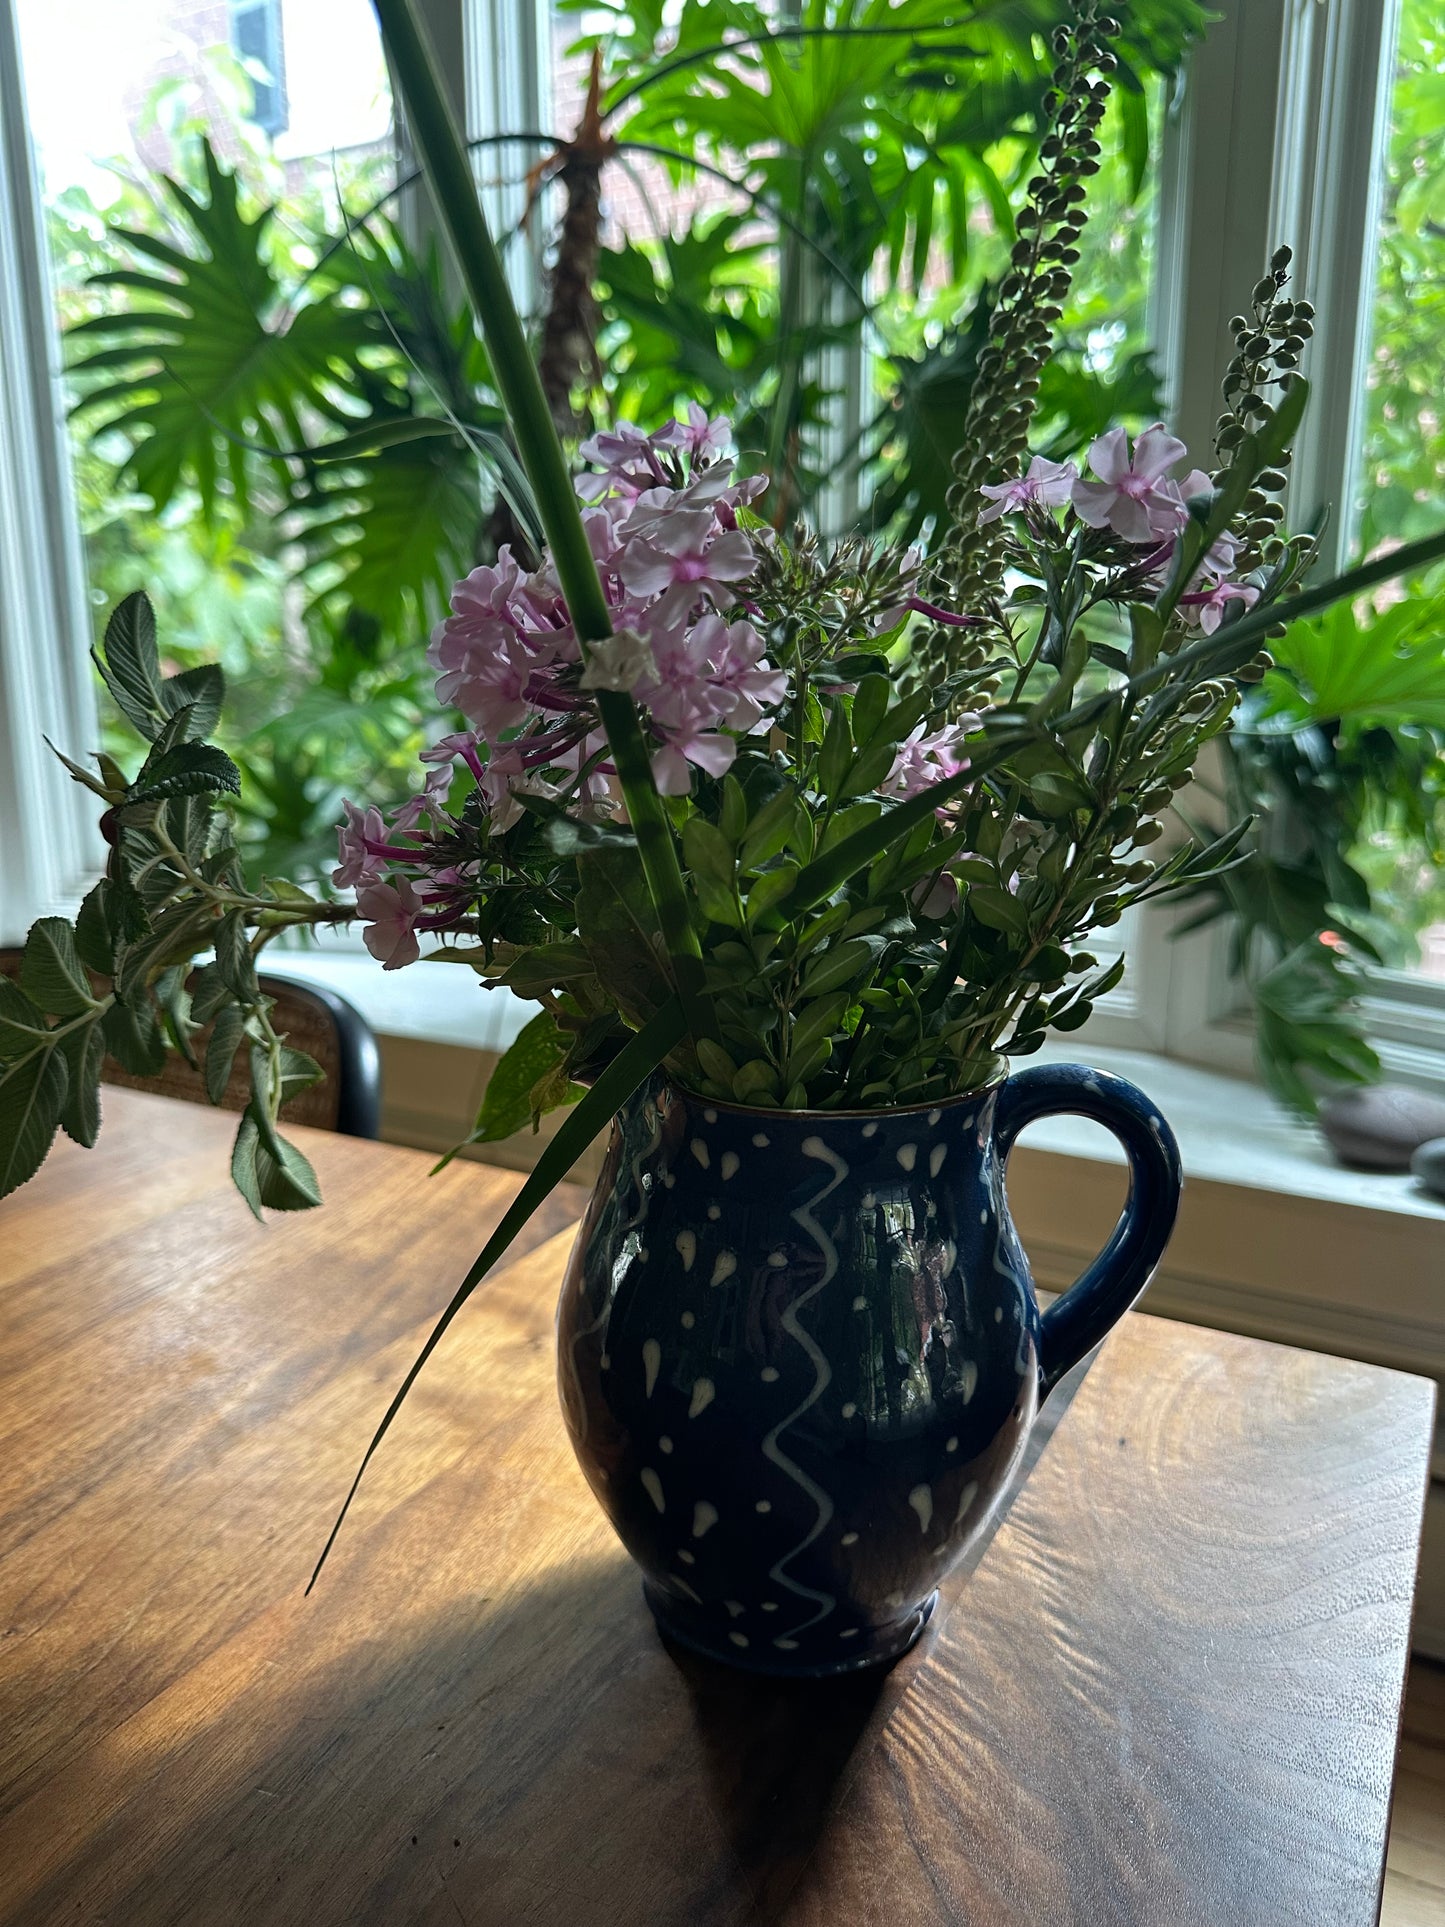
(661,517)
(662,522)
(1134,495)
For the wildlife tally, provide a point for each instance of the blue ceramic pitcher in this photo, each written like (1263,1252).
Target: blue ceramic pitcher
(800,1352)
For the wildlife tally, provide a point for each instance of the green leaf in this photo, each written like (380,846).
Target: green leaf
(22,1027)
(836,753)
(213,355)
(32,1096)
(208,993)
(815,1023)
(131,666)
(870,705)
(507,1101)
(201,690)
(93,940)
(545,966)
(715,1062)
(133,1038)
(996,909)
(225,1041)
(298,1073)
(96,785)
(268,1171)
(771,888)
(84,1051)
(189,769)
(234,961)
(51,973)
(841,965)
(616,922)
(706,850)
(1388,670)
(178,933)
(383,434)
(769,829)
(635,1062)
(734,813)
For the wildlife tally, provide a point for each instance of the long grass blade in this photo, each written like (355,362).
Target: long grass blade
(444,161)
(633,1063)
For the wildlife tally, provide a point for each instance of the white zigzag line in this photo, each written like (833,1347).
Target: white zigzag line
(813,1147)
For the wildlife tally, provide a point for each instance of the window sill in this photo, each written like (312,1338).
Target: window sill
(1230,1132)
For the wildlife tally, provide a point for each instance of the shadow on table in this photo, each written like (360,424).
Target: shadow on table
(397,1750)
(553,1763)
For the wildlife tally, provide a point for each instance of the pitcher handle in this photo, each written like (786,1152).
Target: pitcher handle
(1076,1322)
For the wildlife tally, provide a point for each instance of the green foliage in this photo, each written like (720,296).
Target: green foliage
(1403,468)
(521,1088)
(1389,669)
(119,979)
(209,356)
(898,134)
(1338,755)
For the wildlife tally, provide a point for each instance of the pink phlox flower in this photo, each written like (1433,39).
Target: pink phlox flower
(909,565)
(1132,495)
(429,800)
(740,674)
(1046,485)
(359,865)
(738,496)
(485,674)
(391,911)
(593,793)
(690,745)
(702,436)
(506,774)
(1220,557)
(1195,483)
(935,896)
(709,672)
(464,745)
(926,758)
(685,551)
(625,458)
(447,748)
(1205,608)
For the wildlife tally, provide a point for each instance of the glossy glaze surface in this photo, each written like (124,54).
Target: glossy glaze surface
(799,1355)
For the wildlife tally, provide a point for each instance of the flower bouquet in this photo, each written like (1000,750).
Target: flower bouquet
(795,846)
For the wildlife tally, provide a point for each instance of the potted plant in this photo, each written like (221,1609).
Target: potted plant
(796,847)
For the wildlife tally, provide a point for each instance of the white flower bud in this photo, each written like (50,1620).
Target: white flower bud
(618,663)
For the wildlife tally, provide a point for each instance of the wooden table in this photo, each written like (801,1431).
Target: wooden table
(1167,1693)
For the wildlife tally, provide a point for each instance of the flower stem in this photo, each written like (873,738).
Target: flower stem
(448,171)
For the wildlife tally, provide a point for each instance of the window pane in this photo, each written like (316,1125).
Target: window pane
(294,99)
(1401,486)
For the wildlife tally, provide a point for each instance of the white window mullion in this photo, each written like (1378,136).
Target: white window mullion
(508,81)
(1328,183)
(50,849)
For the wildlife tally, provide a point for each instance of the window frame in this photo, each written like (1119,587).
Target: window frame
(1294,94)
(50,847)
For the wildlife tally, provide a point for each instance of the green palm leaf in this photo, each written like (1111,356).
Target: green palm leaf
(208,355)
(1389,670)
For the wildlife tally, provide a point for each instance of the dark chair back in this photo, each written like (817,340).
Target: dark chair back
(311,1018)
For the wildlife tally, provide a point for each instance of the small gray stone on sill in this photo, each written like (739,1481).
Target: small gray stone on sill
(1381,1127)
(1428,1165)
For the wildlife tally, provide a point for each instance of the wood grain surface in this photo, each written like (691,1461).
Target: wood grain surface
(1168,1693)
